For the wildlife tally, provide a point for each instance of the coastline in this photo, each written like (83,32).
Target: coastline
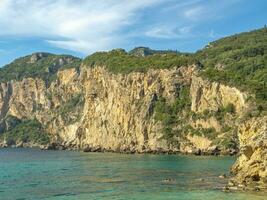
(87,149)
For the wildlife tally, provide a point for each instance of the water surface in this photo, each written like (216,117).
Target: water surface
(27,174)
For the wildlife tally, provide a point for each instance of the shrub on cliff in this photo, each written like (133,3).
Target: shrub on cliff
(70,111)
(27,131)
(170,114)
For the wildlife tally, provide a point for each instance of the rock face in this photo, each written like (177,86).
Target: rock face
(114,112)
(37,56)
(213,95)
(121,107)
(92,108)
(117,114)
(251,167)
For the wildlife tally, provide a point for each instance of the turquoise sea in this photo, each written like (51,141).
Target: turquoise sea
(28,174)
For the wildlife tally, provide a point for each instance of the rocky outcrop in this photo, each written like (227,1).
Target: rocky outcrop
(250,170)
(37,56)
(213,95)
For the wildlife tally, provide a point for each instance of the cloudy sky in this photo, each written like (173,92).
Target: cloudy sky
(81,27)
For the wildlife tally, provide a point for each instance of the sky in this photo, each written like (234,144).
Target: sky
(81,27)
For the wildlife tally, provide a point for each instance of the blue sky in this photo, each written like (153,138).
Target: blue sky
(81,27)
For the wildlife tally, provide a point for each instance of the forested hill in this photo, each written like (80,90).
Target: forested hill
(239,60)
(38,65)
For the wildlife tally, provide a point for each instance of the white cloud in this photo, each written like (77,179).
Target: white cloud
(207,10)
(194,13)
(187,17)
(170,32)
(93,25)
(178,5)
(79,25)
(160,32)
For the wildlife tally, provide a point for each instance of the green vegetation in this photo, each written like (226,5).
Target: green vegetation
(145,51)
(39,65)
(218,114)
(179,113)
(228,141)
(170,114)
(10,121)
(239,60)
(73,64)
(70,110)
(222,111)
(230,108)
(26,131)
(207,132)
(119,61)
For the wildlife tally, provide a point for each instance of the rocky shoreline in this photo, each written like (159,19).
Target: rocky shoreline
(57,146)
(232,185)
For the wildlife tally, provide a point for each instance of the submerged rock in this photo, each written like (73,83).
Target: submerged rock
(222,176)
(168,180)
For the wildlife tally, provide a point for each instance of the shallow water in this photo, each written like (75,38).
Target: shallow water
(27,174)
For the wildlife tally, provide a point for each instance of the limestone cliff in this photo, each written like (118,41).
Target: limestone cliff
(213,95)
(92,108)
(113,112)
(250,170)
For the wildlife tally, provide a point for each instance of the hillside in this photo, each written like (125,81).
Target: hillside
(239,60)
(145,51)
(119,61)
(37,65)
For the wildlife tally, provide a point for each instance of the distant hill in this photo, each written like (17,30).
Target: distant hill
(146,51)
(42,65)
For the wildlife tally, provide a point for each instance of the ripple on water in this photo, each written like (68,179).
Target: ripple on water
(58,175)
